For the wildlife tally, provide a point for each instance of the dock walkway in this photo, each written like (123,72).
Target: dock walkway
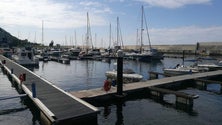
(57,105)
(141,85)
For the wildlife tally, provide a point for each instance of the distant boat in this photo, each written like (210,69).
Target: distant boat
(6,51)
(128,76)
(211,66)
(180,70)
(58,56)
(73,53)
(45,56)
(25,56)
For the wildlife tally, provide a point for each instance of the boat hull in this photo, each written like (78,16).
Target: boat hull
(127,78)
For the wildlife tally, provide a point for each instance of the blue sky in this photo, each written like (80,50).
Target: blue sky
(169,21)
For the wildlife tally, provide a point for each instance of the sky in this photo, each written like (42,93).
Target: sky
(169,22)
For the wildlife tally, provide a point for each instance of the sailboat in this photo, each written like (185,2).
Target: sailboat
(149,54)
(88,53)
(128,74)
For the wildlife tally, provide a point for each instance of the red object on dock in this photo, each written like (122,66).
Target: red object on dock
(107,85)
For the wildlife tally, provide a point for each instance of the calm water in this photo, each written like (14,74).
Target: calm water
(80,75)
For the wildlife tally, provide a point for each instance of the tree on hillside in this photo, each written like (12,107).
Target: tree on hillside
(51,43)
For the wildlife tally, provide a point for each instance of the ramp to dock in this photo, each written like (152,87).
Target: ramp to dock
(63,105)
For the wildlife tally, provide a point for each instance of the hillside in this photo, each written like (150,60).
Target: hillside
(6,39)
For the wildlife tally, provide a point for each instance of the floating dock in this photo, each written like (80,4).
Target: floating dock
(141,85)
(152,87)
(56,106)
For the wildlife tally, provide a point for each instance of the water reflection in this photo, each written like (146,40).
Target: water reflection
(119,113)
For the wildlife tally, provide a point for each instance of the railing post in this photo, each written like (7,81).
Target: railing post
(33,90)
(120,72)
(12,71)
(24,77)
(3,61)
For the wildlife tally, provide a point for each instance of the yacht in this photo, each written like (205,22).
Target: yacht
(25,57)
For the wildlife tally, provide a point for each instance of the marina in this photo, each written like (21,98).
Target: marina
(110,62)
(95,91)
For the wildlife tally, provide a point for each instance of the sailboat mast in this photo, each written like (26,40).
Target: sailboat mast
(117,31)
(42,32)
(88,34)
(137,38)
(141,35)
(75,40)
(35,38)
(110,35)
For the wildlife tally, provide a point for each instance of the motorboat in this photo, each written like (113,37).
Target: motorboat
(180,70)
(25,56)
(58,56)
(211,66)
(73,53)
(5,51)
(128,76)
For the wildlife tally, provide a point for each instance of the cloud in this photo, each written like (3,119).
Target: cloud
(174,3)
(179,35)
(188,35)
(54,14)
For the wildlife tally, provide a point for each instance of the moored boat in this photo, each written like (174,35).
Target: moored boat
(128,76)
(25,56)
(181,70)
(211,66)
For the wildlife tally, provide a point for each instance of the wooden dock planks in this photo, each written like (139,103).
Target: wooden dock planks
(140,85)
(63,105)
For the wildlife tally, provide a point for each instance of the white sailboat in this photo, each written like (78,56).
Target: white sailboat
(149,54)
(128,75)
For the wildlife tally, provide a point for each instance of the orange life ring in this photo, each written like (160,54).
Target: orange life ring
(21,78)
(107,85)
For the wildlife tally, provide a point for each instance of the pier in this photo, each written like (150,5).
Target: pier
(56,106)
(149,85)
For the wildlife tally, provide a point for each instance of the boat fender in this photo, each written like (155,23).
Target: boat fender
(107,85)
(21,77)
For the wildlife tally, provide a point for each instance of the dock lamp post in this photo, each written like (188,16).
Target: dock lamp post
(120,55)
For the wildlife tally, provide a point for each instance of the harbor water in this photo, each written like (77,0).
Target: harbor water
(89,74)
